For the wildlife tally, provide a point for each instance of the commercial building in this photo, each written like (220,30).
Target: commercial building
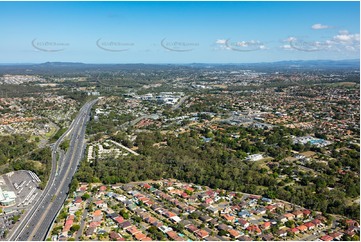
(7,198)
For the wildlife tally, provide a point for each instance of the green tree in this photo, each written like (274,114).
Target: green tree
(74,228)
(85,196)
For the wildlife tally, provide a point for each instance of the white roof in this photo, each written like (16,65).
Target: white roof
(176,219)
(6,196)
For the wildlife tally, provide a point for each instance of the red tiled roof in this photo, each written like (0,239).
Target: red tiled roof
(294,230)
(309,225)
(170,214)
(298,212)
(140,236)
(69,221)
(144,199)
(234,233)
(254,228)
(190,189)
(242,221)
(266,224)
(326,238)
(150,202)
(147,186)
(147,239)
(302,228)
(316,221)
(185,195)
(306,212)
(125,224)
(172,234)
(289,215)
(67,228)
(150,220)
(192,228)
(99,202)
(270,207)
(114,235)
(350,222)
(133,230)
(97,213)
(201,233)
(209,192)
(255,197)
(119,219)
(94,224)
(228,217)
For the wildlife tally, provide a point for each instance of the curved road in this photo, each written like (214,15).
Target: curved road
(35,224)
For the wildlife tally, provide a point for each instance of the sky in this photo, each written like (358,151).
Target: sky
(178,32)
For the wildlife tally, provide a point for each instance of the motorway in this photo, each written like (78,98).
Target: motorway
(34,225)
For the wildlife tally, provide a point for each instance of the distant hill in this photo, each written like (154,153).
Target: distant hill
(76,67)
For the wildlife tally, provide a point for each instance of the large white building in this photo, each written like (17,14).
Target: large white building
(7,198)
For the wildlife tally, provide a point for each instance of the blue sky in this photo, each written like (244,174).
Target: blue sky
(178,32)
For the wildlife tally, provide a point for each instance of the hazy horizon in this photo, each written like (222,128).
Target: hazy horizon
(171,63)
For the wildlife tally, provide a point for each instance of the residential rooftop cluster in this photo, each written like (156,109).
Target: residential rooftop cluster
(34,115)
(173,210)
(283,133)
(20,79)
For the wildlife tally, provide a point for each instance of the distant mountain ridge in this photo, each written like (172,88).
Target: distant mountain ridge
(76,67)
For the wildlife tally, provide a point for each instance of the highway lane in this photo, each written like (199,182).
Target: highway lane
(73,157)
(40,230)
(54,184)
(37,221)
(17,229)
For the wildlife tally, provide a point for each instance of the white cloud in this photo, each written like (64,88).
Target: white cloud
(320,26)
(290,39)
(221,41)
(243,45)
(221,44)
(343,31)
(347,38)
(346,41)
(288,42)
(286,47)
(343,41)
